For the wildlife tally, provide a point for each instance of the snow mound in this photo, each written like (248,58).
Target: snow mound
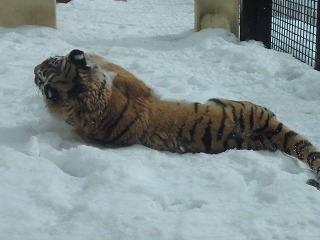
(54,185)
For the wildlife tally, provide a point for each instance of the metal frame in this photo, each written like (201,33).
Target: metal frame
(15,13)
(255,21)
(291,26)
(228,10)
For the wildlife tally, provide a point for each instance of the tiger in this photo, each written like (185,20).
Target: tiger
(105,103)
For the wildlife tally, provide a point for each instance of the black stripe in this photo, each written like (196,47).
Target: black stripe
(269,112)
(66,67)
(264,127)
(164,144)
(52,73)
(76,90)
(261,114)
(237,138)
(76,79)
(181,131)
(299,148)
(312,157)
(222,124)
(241,121)
(241,103)
(117,121)
(235,119)
(196,105)
(107,116)
(49,80)
(78,113)
(260,138)
(251,118)
(62,82)
(225,145)
(207,138)
(239,141)
(124,131)
(279,128)
(273,145)
(263,144)
(217,101)
(192,130)
(272,133)
(287,137)
(67,71)
(45,72)
(125,108)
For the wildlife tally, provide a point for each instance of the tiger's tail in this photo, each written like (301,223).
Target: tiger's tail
(293,144)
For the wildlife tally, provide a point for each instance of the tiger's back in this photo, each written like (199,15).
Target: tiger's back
(104,102)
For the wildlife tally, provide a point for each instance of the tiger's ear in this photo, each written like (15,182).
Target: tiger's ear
(78,58)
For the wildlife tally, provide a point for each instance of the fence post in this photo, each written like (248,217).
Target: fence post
(317,60)
(255,21)
(15,13)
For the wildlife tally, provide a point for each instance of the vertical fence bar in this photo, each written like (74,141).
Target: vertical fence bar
(317,59)
(264,15)
(248,19)
(256,19)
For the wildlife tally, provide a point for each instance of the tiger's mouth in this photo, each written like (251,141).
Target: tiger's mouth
(52,94)
(41,81)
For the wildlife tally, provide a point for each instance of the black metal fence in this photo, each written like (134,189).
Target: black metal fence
(291,26)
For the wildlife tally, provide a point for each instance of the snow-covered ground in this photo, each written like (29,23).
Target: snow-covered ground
(54,185)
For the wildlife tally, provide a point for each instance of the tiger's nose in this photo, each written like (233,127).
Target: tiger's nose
(37,79)
(36,69)
(36,76)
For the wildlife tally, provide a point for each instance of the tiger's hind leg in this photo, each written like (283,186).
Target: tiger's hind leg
(249,123)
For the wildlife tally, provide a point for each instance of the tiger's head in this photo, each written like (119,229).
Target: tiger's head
(73,84)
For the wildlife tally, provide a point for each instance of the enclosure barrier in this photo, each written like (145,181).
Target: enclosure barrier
(291,26)
(217,14)
(14,13)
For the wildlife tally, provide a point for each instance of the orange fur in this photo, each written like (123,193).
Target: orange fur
(105,102)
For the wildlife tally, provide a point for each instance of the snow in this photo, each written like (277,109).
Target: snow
(54,185)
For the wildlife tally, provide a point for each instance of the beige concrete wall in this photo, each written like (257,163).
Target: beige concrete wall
(28,12)
(217,13)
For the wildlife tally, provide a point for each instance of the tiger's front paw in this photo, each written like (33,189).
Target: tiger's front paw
(78,58)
